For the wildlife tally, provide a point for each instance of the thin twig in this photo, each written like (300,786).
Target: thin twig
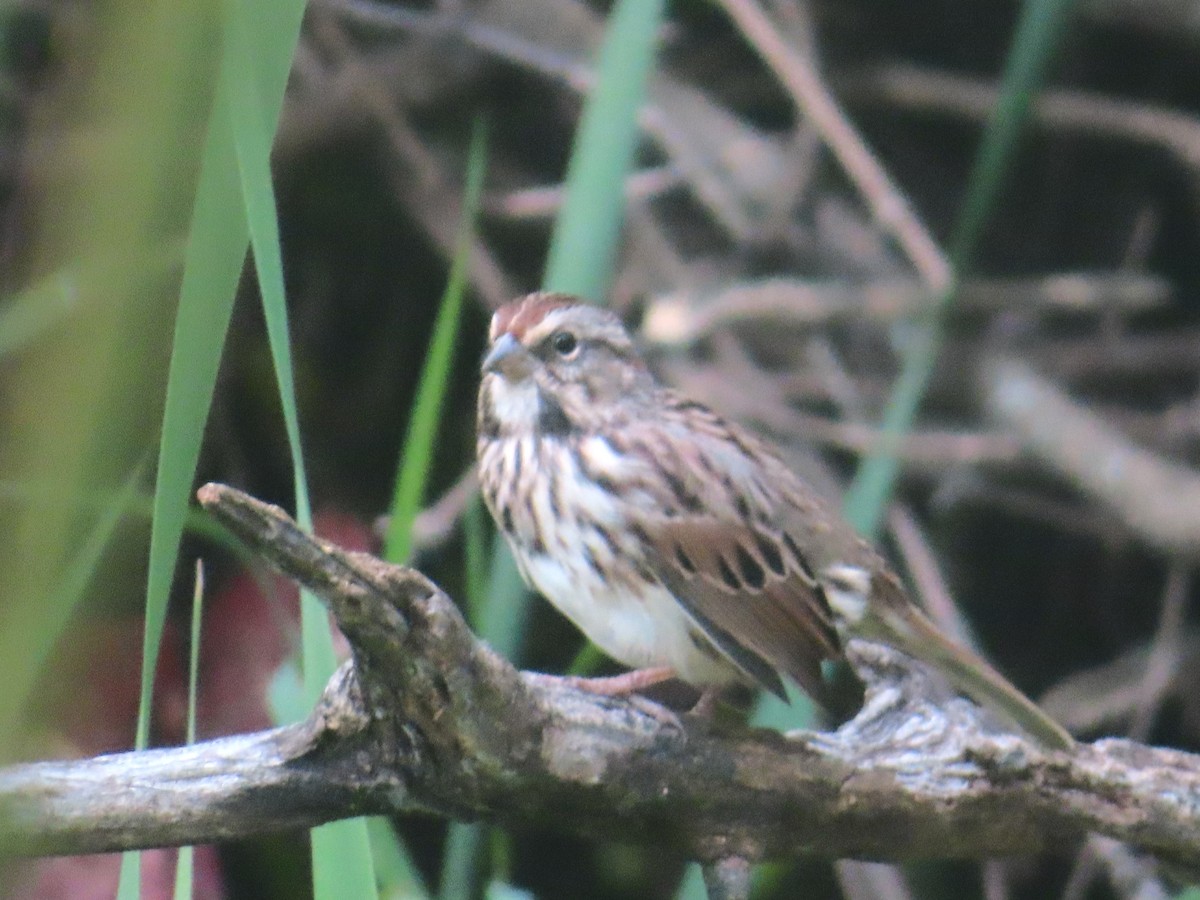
(925,89)
(1165,653)
(681,317)
(1156,498)
(814,100)
(922,565)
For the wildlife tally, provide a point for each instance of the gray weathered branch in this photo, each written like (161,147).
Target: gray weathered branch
(428,718)
(1157,498)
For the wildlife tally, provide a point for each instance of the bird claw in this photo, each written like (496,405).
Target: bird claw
(656,711)
(621,685)
(625,686)
(706,705)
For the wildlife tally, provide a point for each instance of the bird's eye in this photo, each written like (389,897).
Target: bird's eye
(564,343)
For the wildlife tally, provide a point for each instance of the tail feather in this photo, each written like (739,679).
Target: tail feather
(913,633)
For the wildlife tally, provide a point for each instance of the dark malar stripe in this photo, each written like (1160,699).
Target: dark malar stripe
(552,420)
(489,425)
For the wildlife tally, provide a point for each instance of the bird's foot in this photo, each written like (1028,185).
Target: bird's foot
(623,684)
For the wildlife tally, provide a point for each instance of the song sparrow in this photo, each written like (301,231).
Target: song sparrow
(677,541)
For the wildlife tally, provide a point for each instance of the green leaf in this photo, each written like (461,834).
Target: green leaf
(398,875)
(417,455)
(213,263)
(341,855)
(184,862)
(584,245)
(70,590)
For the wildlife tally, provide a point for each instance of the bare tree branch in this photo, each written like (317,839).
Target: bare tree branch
(1156,498)
(428,718)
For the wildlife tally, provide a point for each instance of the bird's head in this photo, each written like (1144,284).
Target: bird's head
(556,365)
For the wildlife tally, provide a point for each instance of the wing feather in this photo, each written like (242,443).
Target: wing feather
(725,551)
(753,614)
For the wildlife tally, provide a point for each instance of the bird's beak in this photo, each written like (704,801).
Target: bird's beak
(508,358)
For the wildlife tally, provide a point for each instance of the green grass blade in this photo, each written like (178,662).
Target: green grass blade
(463,862)
(213,262)
(584,244)
(60,606)
(184,873)
(129,882)
(867,497)
(252,141)
(399,878)
(184,862)
(1040,33)
(417,455)
(582,249)
(27,316)
(1038,36)
(212,265)
(503,618)
(692,887)
(475,534)
(341,855)
(343,868)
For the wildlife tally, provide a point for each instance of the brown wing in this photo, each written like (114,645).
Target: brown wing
(756,604)
(727,542)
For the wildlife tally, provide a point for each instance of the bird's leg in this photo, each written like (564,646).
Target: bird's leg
(625,683)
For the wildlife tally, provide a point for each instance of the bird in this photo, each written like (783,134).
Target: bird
(677,541)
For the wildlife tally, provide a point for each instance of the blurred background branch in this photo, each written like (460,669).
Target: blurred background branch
(1042,500)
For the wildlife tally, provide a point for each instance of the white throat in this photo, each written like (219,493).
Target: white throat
(515,406)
